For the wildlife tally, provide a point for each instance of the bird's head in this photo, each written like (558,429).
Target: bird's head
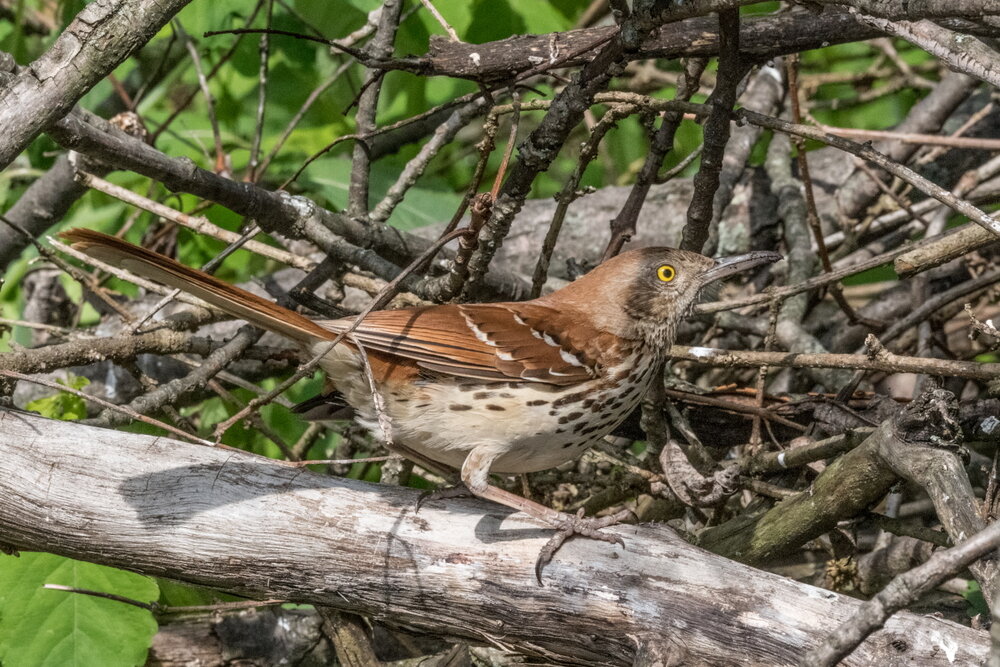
(644,293)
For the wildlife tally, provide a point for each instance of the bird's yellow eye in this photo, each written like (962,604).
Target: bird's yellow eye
(666,273)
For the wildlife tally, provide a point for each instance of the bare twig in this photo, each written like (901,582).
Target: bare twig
(716,134)
(901,591)
(429,6)
(124,409)
(882,361)
(661,143)
(868,153)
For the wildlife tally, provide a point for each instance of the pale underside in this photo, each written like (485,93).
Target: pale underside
(529,426)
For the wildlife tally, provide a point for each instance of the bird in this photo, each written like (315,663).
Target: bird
(504,388)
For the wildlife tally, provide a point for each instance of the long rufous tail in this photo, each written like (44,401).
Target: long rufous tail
(227,298)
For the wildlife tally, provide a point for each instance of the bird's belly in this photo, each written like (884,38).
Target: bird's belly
(530,427)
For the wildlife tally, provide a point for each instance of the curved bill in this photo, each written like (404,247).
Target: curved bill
(727,266)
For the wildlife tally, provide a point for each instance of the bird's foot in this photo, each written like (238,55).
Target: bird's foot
(578,524)
(455,491)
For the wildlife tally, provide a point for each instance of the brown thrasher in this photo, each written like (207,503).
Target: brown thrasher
(492,387)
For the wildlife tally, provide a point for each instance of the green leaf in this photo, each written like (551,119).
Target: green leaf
(423,204)
(977,601)
(176,594)
(63,405)
(40,627)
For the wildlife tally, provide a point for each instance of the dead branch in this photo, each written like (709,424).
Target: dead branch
(253,526)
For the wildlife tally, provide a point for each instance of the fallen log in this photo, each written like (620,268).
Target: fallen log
(460,568)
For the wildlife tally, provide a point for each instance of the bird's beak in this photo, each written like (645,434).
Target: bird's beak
(727,266)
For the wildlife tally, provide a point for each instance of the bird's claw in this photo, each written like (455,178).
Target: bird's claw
(578,524)
(456,491)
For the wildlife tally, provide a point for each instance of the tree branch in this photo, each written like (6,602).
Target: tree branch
(103,35)
(256,527)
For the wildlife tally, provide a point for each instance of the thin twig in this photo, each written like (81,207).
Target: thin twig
(968,143)
(440,19)
(265,51)
(732,69)
(868,153)
(812,214)
(184,103)
(569,192)
(105,404)
(881,361)
(221,159)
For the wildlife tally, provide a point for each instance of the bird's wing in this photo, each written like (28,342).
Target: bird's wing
(489,342)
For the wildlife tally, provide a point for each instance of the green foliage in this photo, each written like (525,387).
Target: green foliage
(176,594)
(40,627)
(329,179)
(977,601)
(63,405)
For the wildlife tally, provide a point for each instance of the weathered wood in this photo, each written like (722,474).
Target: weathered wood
(463,568)
(761,38)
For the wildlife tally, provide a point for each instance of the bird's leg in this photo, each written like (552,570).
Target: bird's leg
(459,490)
(475,475)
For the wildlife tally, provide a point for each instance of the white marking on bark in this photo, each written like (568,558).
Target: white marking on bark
(947,644)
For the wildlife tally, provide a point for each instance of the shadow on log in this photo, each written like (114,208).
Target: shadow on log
(462,568)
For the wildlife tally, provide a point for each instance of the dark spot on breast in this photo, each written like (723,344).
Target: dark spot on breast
(495,407)
(537,401)
(553,413)
(593,429)
(401,400)
(479,395)
(573,416)
(424,405)
(570,398)
(458,407)
(568,445)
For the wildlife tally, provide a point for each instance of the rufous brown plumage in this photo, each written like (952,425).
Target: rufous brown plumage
(502,387)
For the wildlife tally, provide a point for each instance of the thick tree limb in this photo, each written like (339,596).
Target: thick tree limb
(761,38)
(103,35)
(254,526)
(340,236)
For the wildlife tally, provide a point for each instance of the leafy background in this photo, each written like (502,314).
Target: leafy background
(46,627)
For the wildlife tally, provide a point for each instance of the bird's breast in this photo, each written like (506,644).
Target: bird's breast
(531,425)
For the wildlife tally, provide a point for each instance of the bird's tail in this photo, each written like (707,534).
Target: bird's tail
(227,298)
